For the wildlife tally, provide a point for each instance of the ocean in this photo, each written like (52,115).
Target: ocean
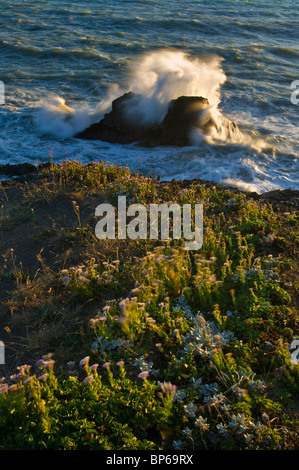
(63,62)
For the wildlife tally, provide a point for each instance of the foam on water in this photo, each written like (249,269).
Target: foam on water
(62,68)
(156,78)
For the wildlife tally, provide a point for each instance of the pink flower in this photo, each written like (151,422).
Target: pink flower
(106,365)
(88,379)
(43,377)
(168,388)
(143,375)
(27,381)
(48,364)
(84,361)
(3,388)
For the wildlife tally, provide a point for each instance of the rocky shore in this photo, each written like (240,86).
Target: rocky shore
(28,172)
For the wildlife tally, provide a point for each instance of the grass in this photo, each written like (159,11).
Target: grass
(140,344)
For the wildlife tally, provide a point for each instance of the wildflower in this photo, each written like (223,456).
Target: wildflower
(84,361)
(202,424)
(39,363)
(88,379)
(48,364)
(222,429)
(47,357)
(3,388)
(120,363)
(94,367)
(14,378)
(27,381)
(143,375)
(225,408)
(13,388)
(233,423)
(122,305)
(190,409)
(196,383)
(135,290)
(168,388)
(177,444)
(106,365)
(188,432)
(23,369)
(123,319)
(93,322)
(103,318)
(180,395)
(83,280)
(43,377)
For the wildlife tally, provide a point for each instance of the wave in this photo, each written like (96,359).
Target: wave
(156,78)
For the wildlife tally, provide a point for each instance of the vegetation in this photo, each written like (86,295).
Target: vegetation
(141,344)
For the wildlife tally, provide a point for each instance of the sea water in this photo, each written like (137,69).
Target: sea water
(62,63)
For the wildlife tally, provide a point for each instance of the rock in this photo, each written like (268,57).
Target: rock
(17,170)
(289,197)
(182,116)
(20,172)
(114,127)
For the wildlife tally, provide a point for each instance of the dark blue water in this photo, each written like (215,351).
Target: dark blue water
(63,62)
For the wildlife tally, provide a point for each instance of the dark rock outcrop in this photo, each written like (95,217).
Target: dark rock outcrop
(21,171)
(17,170)
(117,126)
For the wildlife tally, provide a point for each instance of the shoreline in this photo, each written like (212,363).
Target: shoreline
(26,171)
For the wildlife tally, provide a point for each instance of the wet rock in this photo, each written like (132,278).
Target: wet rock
(183,114)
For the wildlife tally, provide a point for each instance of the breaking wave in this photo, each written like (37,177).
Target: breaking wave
(156,78)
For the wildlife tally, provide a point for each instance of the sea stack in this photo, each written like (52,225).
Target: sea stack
(183,115)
